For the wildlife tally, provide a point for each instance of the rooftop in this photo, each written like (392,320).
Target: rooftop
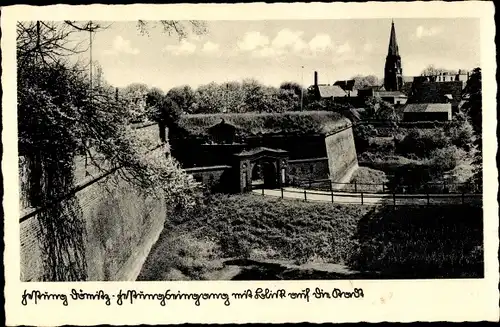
(328,91)
(259,150)
(390,94)
(427,107)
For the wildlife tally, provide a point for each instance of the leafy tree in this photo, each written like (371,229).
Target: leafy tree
(175,27)
(184,96)
(362,135)
(473,105)
(233,97)
(432,71)
(154,97)
(461,132)
(376,108)
(136,93)
(208,99)
(61,116)
(361,81)
(473,108)
(254,95)
(293,87)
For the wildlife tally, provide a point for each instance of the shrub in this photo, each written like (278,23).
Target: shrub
(444,159)
(422,142)
(177,255)
(382,145)
(421,242)
(362,135)
(461,133)
(365,175)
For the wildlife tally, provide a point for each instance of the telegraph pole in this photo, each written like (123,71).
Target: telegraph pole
(90,27)
(302,90)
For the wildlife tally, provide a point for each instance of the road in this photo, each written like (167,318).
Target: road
(372,198)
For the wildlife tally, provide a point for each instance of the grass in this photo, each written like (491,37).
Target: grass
(421,242)
(405,242)
(250,124)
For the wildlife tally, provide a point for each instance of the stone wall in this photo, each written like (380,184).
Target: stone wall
(216,177)
(342,158)
(121,224)
(308,169)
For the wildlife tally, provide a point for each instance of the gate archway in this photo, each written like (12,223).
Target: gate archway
(262,168)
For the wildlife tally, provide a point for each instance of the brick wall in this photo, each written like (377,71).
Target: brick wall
(121,225)
(342,158)
(315,168)
(218,178)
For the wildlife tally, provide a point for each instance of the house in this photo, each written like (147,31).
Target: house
(327,91)
(424,90)
(393,97)
(427,112)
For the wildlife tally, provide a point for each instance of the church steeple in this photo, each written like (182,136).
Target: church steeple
(393,43)
(393,73)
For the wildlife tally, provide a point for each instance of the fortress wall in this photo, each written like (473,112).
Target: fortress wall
(342,158)
(308,169)
(121,224)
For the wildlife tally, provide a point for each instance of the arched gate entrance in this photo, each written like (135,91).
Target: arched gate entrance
(262,168)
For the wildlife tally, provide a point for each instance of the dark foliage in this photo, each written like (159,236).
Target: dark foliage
(420,242)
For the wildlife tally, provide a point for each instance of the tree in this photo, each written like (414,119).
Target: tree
(137,93)
(473,105)
(173,27)
(361,81)
(184,96)
(168,112)
(376,108)
(432,71)
(232,96)
(154,98)
(473,108)
(254,95)
(208,99)
(61,116)
(293,87)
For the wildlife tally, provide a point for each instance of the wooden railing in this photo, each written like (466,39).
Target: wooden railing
(355,187)
(363,198)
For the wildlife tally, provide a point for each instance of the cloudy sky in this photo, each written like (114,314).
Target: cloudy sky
(274,51)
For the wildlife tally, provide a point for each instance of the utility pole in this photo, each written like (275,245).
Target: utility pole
(90,27)
(302,90)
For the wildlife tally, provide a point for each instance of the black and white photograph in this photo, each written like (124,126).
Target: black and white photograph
(250,150)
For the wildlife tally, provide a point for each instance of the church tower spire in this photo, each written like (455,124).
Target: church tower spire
(393,72)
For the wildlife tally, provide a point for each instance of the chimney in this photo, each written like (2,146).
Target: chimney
(315,78)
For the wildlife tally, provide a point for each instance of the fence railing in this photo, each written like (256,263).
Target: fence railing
(355,187)
(375,199)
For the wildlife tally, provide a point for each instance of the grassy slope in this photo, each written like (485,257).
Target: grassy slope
(402,242)
(247,124)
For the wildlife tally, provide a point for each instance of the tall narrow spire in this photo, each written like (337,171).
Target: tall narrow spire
(393,72)
(393,43)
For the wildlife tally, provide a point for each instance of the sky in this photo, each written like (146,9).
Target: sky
(281,50)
